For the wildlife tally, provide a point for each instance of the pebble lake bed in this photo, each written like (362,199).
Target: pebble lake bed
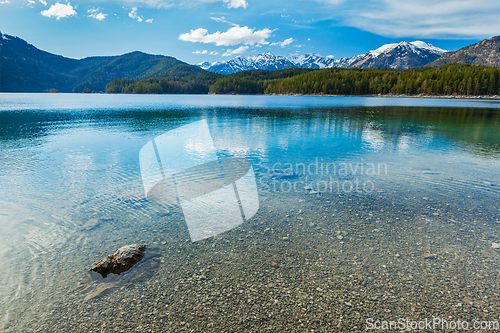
(404,224)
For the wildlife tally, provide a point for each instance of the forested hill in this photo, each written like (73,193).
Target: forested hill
(25,68)
(192,84)
(451,79)
(201,83)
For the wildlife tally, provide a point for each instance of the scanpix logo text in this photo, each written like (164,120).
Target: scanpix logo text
(402,324)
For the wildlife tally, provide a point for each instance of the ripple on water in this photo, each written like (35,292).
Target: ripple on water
(72,194)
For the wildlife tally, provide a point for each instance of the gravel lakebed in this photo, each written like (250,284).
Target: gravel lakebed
(307,262)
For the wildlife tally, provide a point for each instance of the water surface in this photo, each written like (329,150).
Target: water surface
(378,183)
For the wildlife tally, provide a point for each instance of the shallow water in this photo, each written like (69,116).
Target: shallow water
(378,182)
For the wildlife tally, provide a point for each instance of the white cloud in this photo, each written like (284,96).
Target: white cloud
(236,3)
(99,16)
(284,43)
(30,3)
(95,13)
(152,3)
(133,14)
(200,52)
(235,35)
(43,2)
(4,2)
(214,53)
(184,3)
(222,19)
(59,11)
(239,50)
(139,18)
(423,18)
(219,19)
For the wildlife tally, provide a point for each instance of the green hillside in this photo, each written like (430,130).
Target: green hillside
(24,68)
(192,84)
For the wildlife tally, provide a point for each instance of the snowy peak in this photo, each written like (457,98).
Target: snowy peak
(401,55)
(383,49)
(310,60)
(396,55)
(415,47)
(429,47)
(266,61)
(206,64)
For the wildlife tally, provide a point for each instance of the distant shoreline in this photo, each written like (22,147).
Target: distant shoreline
(484,97)
(491,97)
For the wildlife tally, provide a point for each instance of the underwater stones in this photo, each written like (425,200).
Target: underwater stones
(90,224)
(428,255)
(495,245)
(121,261)
(100,291)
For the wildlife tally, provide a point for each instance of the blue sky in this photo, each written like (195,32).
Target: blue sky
(214,30)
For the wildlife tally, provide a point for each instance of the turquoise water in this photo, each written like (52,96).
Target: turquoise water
(378,183)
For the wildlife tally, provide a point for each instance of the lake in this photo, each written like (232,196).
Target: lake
(259,213)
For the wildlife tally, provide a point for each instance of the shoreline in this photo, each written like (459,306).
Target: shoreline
(484,97)
(489,97)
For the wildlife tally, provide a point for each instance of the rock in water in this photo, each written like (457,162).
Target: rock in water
(428,255)
(121,261)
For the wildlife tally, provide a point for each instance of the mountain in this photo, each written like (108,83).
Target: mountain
(398,56)
(266,61)
(135,65)
(310,60)
(24,68)
(402,55)
(486,52)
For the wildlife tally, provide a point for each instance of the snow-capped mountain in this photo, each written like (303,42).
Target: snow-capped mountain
(265,61)
(206,64)
(311,60)
(398,56)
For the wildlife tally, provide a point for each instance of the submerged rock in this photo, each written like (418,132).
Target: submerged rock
(121,261)
(428,255)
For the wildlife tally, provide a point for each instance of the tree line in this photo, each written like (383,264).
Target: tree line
(193,84)
(450,79)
